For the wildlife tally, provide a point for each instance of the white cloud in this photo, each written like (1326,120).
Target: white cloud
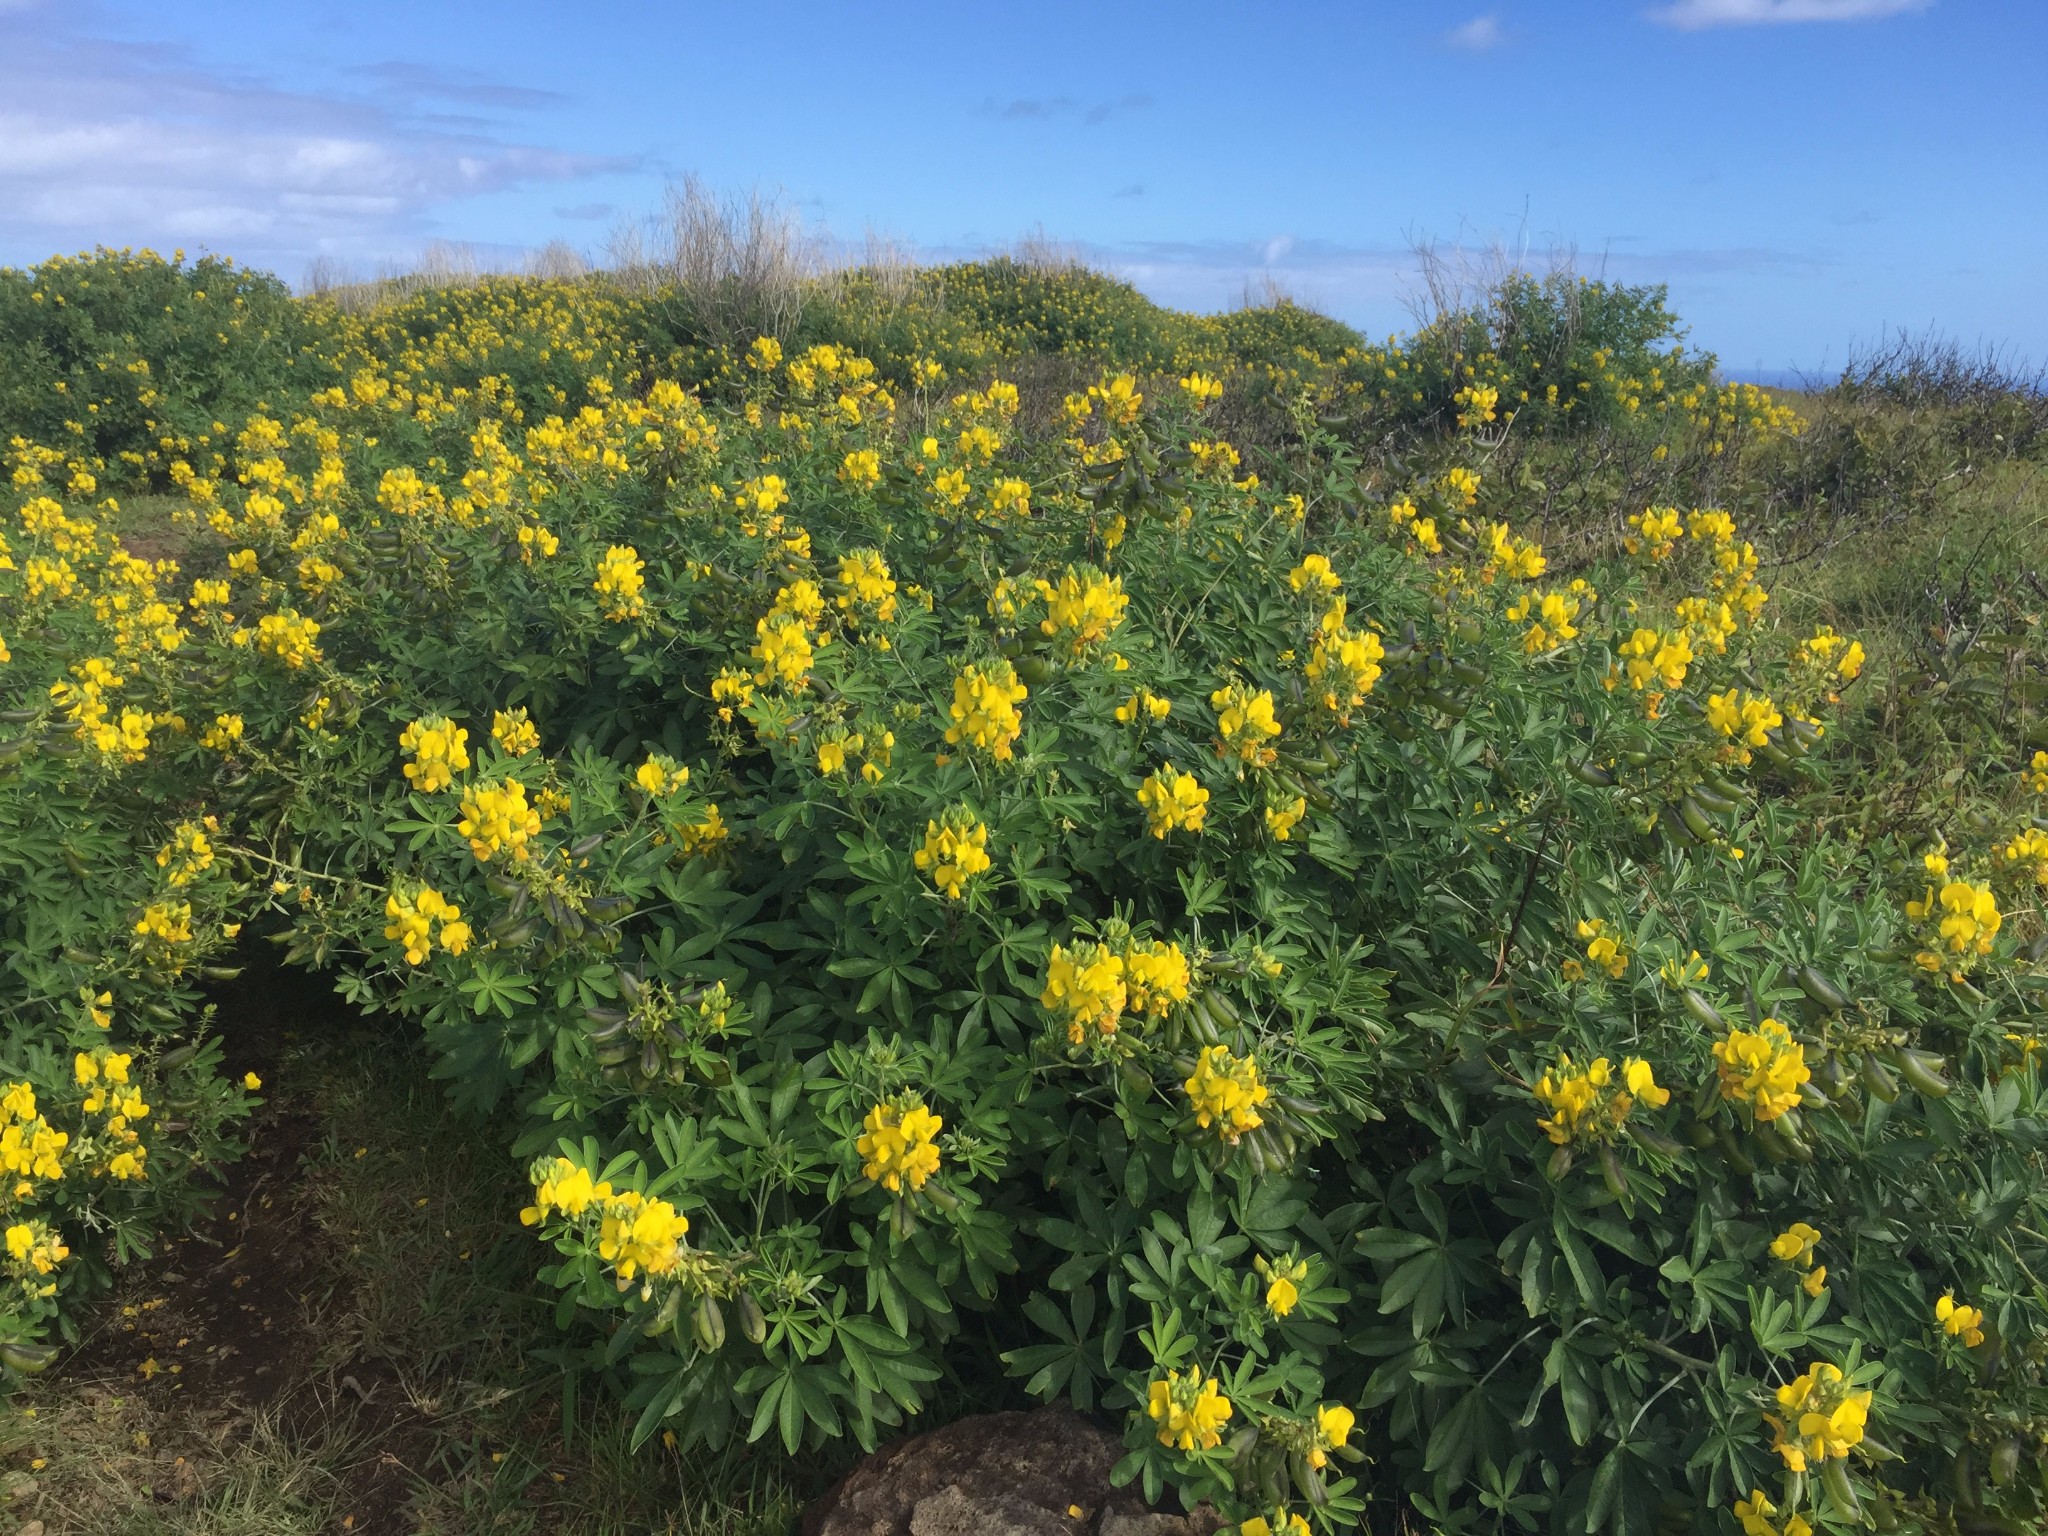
(1476,35)
(123,143)
(1693,15)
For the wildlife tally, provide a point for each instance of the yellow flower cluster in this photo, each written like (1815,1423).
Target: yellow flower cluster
(732,689)
(413,916)
(1824,1418)
(439,750)
(619,583)
(288,636)
(1755,1514)
(1590,1106)
(1314,576)
(1827,649)
(862,469)
(189,853)
(2028,851)
(1190,1409)
(496,819)
(784,647)
(165,922)
(1172,801)
(1506,555)
(1657,660)
(1965,917)
(1245,724)
(1655,532)
(867,588)
(30,1148)
(1603,949)
(661,775)
(1225,1091)
(1959,1321)
(1156,976)
(1555,616)
(955,851)
(1083,610)
(635,1233)
(515,735)
(1141,706)
(897,1145)
(1746,719)
(35,1249)
(1284,1278)
(1796,1245)
(1763,1068)
(2035,774)
(1343,667)
(1086,987)
(984,711)
(1201,388)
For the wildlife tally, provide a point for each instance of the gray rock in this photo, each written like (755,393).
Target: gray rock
(951,1512)
(1044,1473)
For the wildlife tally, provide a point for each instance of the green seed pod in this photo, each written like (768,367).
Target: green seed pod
(1705,1012)
(2005,1461)
(1878,1079)
(1834,1476)
(29,1359)
(709,1324)
(1819,988)
(753,1324)
(1922,1072)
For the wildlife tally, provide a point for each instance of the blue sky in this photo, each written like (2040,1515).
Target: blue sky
(1804,174)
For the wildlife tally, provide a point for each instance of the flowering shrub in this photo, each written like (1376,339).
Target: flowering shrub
(1276,964)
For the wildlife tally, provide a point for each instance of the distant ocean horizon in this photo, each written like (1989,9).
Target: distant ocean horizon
(1783,378)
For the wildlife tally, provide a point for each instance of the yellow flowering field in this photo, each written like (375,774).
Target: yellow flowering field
(1252,944)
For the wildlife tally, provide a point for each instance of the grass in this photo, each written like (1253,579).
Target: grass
(400,1391)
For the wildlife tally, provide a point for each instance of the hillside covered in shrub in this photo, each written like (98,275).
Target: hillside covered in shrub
(1368,912)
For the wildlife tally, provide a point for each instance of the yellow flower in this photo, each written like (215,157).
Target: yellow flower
(1763,1068)
(984,710)
(1281,820)
(1795,1245)
(954,851)
(1245,723)
(1314,575)
(1602,948)
(1173,800)
(1156,976)
(1143,705)
(1225,1091)
(897,1146)
(439,749)
(251,1081)
(620,583)
(514,733)
(661,775)
(1344,666)
(497,819)
(1084,610)
(1190,1410)
(1334,1423)
(1827,1419)
(1086,986)
(783,647)
(861,468)
(1958,1321)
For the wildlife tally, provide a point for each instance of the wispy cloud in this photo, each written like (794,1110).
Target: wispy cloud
(585,211)
(1477,35)
(1049,108)
(1695,15)
(1131,189)
(137,143)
